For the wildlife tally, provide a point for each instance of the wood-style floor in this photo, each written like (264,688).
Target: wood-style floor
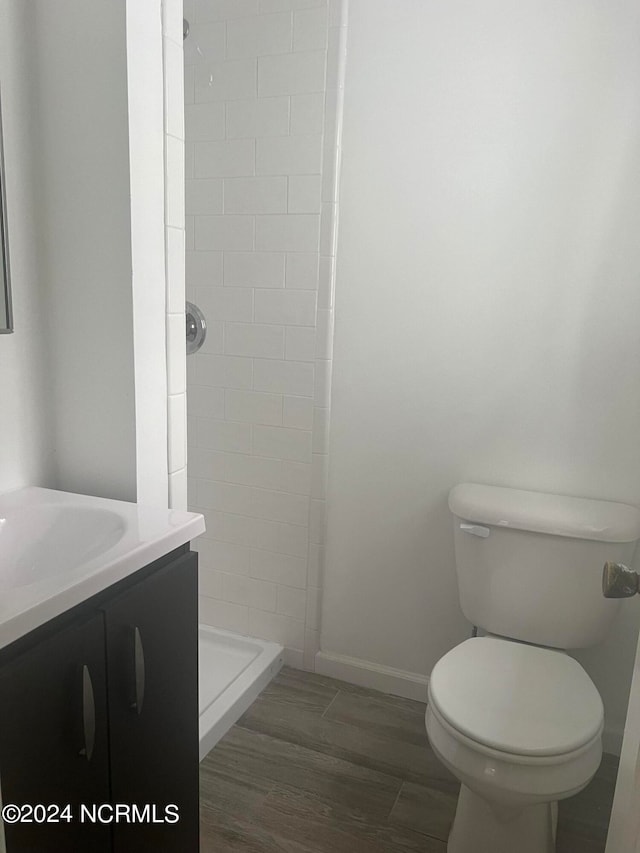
(319,765)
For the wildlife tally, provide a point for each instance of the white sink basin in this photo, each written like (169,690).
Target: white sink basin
(57,549)
(38,543)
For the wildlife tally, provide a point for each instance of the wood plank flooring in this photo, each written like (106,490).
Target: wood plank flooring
(319,765)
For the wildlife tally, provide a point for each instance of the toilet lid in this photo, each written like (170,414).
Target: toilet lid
(516,698)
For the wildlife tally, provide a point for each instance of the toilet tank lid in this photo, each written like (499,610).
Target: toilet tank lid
(557,515)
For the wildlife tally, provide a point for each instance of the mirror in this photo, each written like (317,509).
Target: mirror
(6,320)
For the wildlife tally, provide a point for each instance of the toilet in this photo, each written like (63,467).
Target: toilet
(516,719)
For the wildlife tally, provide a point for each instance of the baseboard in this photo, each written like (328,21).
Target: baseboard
(387,679)
(612,741)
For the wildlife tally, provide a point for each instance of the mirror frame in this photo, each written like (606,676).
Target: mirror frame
(5,279)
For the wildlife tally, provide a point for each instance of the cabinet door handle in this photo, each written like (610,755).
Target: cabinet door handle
(138,666)
(88,714)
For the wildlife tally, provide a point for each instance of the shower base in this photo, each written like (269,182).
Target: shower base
(233,670)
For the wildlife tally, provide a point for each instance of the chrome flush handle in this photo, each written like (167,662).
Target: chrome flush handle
(618,581)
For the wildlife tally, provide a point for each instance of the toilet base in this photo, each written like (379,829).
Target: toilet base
(479,827)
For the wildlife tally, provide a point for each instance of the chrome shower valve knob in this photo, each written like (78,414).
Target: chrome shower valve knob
(618,581)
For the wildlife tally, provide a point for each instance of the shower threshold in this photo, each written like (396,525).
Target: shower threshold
(233,670)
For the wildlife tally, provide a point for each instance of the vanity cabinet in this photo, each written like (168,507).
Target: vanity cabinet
(100,706)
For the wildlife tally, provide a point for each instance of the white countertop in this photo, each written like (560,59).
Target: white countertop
(58,549)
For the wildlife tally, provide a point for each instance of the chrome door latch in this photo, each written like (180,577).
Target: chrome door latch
(196,328)
(618,581)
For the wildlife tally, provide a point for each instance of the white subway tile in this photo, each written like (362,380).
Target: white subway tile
(304,193)
(307,113)
(205,42)
(253,407)
(319,475)
(277,628)
(279,568)
(189,232)
(204,269)
(245,590)
(224,497)
(316,566)
(300,343)
(316,521)
(278,506)
(224,159)
(254,269)
(205,543)
(224,232)
(291,539)
(289,155)
(313,604)
(289,233)
(298,413)
(281,443)
(302,270)
(176,355)
(204,121)
(191,488)
(255,195)
(203,196)
(225,81)
(337,16)
(189,85)
(259,36)
(222,10)
(175,269)
(284,377)
(221,435)
(322,393)
(253,471)
(227,557)
(225,303)
(325,282)
(320,430)
(296,477)
(283,5)
(329,170)
(290,74)
(173,88)
(258,117)
(209,583)
(223,371)
(177,424)
(214,340)
(178,489)
(292,602)
(289,307)
(310,29)
(254,340)
(174,182)
(205,464)
(223,614)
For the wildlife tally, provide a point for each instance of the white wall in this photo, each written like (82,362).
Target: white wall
(25,443)
(487,297)
(260,201)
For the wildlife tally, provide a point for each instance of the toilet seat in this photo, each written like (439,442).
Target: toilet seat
(516,700)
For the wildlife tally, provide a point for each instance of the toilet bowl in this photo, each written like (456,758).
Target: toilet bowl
(520,726)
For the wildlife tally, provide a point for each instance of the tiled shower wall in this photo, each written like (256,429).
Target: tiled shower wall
(263,86)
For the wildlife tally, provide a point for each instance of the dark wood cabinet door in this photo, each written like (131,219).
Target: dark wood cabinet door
(54,739)
(152,672)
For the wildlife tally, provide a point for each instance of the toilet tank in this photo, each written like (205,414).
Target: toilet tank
(529,564)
